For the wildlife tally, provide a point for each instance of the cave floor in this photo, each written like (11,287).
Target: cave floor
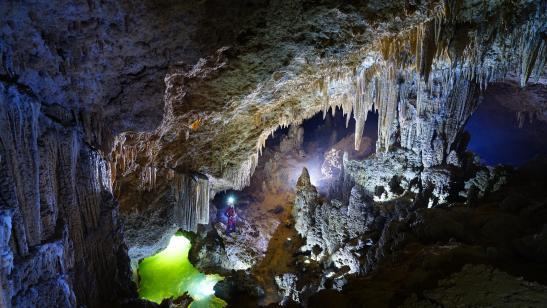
(280,256)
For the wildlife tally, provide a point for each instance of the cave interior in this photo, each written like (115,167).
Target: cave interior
(273,153)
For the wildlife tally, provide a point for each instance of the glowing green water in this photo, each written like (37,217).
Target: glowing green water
(170,274)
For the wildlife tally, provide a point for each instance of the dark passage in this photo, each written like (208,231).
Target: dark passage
(497,138)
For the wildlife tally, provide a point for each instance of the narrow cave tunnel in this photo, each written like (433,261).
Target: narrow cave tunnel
(273,153)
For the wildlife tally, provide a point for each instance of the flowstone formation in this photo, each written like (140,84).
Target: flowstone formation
(61,236)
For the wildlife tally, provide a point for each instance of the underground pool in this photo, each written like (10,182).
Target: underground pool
(169,274)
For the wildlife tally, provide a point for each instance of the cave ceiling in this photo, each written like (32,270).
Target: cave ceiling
(174,87)
(293,59)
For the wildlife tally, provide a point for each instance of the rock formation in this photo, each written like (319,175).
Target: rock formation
(421,80)
(61,234)
(439,251)
(160,105)
(415,69)
(332,230)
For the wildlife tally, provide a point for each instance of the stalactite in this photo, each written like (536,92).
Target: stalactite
(409,78)
(148,178)
(431,91)
(240,176)
(533,48)
(123,158)
(191,194)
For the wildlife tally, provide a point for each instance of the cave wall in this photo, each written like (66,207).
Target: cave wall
(108,59)
(61,236)
(73,74)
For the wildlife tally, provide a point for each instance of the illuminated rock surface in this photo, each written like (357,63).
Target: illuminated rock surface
(170,274)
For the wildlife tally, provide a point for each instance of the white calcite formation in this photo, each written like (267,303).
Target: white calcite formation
(399,167)
(388,176)
(328,226)
(332,165)
(486,180)
(286,284)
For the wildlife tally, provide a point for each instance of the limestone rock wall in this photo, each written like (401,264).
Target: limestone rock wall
(109,58)
(73,74)
(61,238)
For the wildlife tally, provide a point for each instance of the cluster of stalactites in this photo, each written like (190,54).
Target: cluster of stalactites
(122,158)
(416,70)
(191,200)
(126,157)
(148,178)
(240,176)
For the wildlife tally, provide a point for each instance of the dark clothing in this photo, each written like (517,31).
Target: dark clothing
(231,224)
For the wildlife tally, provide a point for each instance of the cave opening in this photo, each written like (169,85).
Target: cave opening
(507,128)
